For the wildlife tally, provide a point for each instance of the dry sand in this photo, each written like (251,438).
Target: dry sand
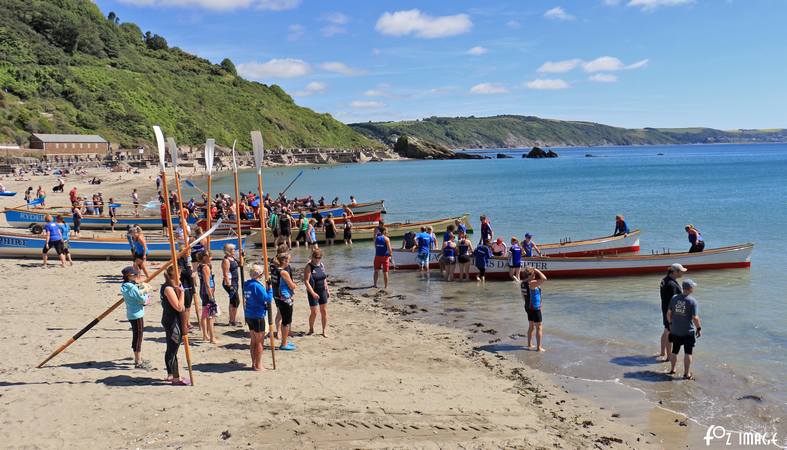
(380,381)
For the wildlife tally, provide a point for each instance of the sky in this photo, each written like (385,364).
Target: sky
(631,63)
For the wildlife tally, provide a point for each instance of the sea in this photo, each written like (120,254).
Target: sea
(600,331)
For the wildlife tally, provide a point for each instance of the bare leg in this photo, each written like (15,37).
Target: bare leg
(385,279)
(233,314)
(539,335)
(376,275)
(673,359)
(312,318)
(324,319)
(530,328)
(686,364)
(665,350)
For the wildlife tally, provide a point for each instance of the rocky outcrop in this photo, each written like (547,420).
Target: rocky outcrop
(410,147)
(503,156)
(538,152)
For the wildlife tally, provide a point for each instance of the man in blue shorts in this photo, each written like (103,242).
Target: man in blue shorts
(54,239)
(424,244)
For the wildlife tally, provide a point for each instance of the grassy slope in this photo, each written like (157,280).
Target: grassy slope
(116,86)
(522,131)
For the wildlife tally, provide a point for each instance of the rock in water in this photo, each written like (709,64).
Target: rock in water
(410,147)
(503,156)
(552,154)
(538,152)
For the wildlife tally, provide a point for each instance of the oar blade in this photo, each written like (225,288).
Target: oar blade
(160,145)
(209,148)
(259,148)
(173,152)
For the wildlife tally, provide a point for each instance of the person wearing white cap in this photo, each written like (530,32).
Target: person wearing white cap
(669,288)
(685,327)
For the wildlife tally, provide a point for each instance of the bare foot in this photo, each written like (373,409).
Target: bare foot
(215,341)
(324,334)
(541,349)
(311,332)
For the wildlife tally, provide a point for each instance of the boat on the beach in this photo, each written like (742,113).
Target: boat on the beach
(25,245)
(732,257)
(609,245)
(25,218)
(248,225)
(395,229)
(7,194)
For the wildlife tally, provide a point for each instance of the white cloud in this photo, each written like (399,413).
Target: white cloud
(547,83)
(275,68)
(220,5)
(277,5)
(295,32)
(376,51)
(335,17)
(488,88)
(374,93)
(367,104)
(638,64)
(558,13)
(559,66)
(477,51)
(649,5)
(611,2)
(513,24)
(332,30)
(414,22)
(610,64)
(341,68)
(315,87)
(603,78)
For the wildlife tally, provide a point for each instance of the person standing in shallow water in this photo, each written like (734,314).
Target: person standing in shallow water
(685,326)
(531,294)
(668,288)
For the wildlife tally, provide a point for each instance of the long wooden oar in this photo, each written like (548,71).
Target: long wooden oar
(210,145)
(190,184)
(173,249)
(237,225)
(259,154)
(292,182)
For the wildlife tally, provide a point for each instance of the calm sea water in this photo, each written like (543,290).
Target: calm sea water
(603,329)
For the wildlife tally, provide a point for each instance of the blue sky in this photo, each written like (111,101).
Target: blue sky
(633,63)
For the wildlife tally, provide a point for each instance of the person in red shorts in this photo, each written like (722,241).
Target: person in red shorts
(382,256)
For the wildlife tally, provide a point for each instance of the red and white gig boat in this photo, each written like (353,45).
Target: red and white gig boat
(610,245)
(732,257)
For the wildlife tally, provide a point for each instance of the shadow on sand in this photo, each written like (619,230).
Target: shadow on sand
(636,360)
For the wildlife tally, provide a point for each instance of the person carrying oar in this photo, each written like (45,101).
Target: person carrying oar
(172,305)
(256,298)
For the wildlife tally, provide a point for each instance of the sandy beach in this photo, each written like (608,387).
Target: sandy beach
(381,380)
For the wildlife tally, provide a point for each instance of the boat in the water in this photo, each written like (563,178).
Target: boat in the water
(732,257)
(25,218)
(395,229)
(337,211)
(25,245)
(609,245)
(248,225)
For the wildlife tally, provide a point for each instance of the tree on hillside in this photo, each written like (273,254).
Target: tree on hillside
(113,18)
(155,42)
(229,66)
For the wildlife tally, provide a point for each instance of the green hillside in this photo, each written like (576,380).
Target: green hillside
(525,131)
(66,68)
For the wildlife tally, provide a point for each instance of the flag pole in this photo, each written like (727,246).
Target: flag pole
(173,249)
(237,224)
(259,154)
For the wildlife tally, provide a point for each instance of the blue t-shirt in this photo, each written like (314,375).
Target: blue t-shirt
(257,299)
(535,298)
(65,230)
(54,232)
(528,248)
(683,308)
(461,228)
(515,255)
(380,246)
(424,241)
(482,254)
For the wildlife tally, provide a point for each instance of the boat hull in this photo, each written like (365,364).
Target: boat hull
(738,256)
(247,225)
(360,208)
(20,218)
(17,245)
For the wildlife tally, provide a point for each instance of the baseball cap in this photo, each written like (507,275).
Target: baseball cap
(677,268)
(130,270)
(688,283)
(528,235)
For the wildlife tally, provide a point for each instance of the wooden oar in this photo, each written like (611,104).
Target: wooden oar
(259,154)
(209,148)
(292,182)
(190,184)
(173,249)
(237,225)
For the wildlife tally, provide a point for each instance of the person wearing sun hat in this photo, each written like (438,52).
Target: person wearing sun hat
(135,296)
(668,288)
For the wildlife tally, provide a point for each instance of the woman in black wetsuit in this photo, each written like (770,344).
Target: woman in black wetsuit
(330,230)
(315,280)
(172,305)
(231,278)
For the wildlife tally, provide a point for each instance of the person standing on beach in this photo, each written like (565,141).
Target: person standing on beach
(230,281)
(256,299)
(695,239)
(172,305)
(207,293)
(53,238)
(140,250)
(284,302)
(481,256)
(685,326)
(135,202)
(76,217)
(486,231)
(135,299)
(668,288)
(112,214)
(315,279)
(531,293)
(382,257)
(187,282)
(65,231)
(72,194)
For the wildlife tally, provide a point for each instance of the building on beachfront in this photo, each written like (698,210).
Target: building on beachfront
(69,144)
